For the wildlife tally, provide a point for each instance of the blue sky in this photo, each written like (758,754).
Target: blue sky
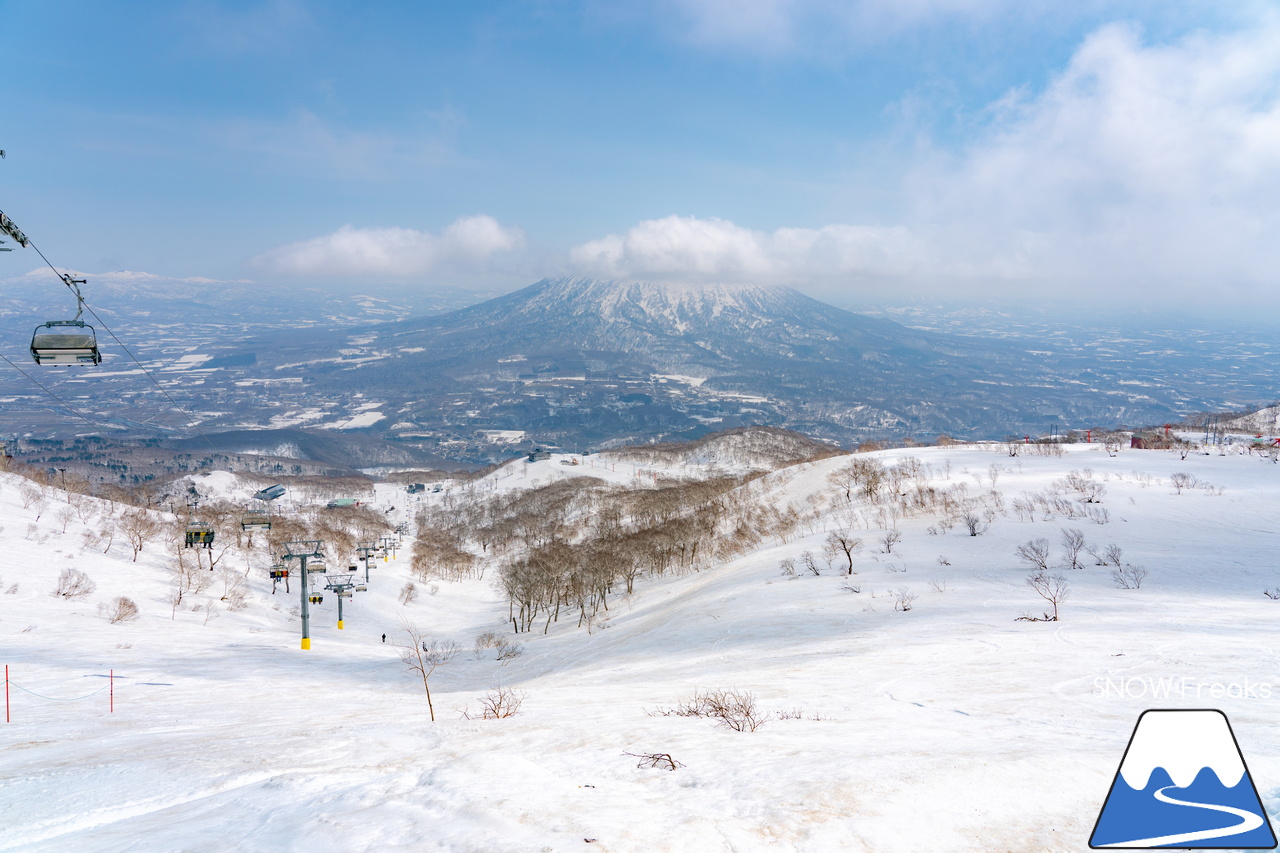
(852,148)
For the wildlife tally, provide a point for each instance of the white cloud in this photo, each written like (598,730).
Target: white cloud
(1137,164)
(467,244)
(691,249)
(1140,170)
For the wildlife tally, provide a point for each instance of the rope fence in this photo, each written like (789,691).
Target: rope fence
(109,688)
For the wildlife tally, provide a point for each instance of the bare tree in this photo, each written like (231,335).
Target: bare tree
(810,564)
(1129,576)
(1073,543)
(1035,552)
(889,539)
(422,656)
(1114,555)
(1052,588)
(845,543)
(138,526)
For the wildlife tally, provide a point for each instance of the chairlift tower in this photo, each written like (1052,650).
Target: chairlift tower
(342,586)
(304,551)
(366,551)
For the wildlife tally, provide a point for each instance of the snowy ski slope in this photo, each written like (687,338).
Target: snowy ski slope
(949,727)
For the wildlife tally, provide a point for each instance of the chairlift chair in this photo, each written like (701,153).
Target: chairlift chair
(199,534)
(316,566)
(255,519)
(66,341)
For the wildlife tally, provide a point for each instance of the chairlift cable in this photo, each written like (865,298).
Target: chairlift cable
(84,305)
(48,391)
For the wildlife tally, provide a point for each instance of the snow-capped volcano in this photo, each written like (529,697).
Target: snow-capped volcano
(582,362)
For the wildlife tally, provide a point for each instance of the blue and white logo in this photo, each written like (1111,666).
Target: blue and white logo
(1183,783)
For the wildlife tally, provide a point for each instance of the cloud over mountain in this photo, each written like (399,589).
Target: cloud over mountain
(691,249)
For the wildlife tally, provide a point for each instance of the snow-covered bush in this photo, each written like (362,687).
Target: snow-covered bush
(121,609)
(73,583)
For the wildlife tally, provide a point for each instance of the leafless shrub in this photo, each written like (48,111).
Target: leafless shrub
(854,588)
(31,494)
(810,564)
(487,640)
(235,592)
(12,589)
(509,650)
(408,593)
(655,760)
(788,566)
(943,561)
(73,583)
(1086,488)
(1273,593)
(938,586)
(1052,588)
(889,539)
(904,599)
(1181,480)
(1072,544)
(975,525)
(1129,576)
(1114,555)
(497,704)
(121,609)
(1035,552)
(1024,508)
(735,709)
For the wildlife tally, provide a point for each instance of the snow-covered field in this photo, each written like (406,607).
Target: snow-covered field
(948,727)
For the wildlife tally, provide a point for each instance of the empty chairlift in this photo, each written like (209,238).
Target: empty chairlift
(66,341)
(255,519)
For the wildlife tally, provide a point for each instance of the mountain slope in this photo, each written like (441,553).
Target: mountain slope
(580,361)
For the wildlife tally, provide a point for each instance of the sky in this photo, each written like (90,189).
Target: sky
(859,150)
